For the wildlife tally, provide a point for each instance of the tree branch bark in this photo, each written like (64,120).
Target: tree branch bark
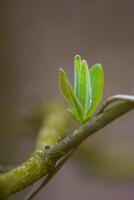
(42,161)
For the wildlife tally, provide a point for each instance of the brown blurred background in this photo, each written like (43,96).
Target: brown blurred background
(36,38)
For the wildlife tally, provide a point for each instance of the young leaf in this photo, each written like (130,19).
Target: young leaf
(66,90)
(74,115)
(88,86)
(85,86)
(97,82)
(77,67)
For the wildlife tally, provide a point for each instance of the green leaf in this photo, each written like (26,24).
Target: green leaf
(75,116)
(77,67)
(67,91)
(88,88)
(97,82)
(84,86)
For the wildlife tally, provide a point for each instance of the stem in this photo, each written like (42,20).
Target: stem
(128,98)
(81,133)
(41,161)
(37,165)
(49,177)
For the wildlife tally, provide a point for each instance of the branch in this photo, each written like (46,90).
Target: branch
(52,128)
(49,176)
(42,161)
(97,123)
(115,98)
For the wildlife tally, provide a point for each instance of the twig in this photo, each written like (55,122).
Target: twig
(49,177)
(37,166)
(115,98)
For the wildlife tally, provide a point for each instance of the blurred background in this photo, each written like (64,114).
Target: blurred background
(38,37)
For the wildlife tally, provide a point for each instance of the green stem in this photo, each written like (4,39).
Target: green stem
(37,165)
(115,98)
(41,161)
(49,176)
(81,133)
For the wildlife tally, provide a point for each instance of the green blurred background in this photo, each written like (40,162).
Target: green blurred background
(38,37)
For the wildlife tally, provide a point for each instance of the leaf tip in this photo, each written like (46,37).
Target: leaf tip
(77,57)
(98,65)
(84,64)
(61,72)
(60,69)
(84,61)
